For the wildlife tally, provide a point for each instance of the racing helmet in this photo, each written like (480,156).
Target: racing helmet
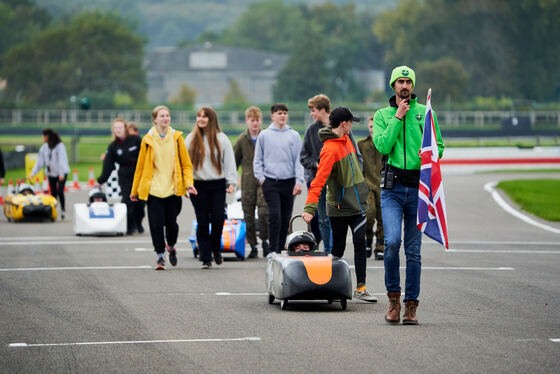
(25,189)
(97,193)
(301,237)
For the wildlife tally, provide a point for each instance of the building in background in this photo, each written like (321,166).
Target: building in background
(209,70)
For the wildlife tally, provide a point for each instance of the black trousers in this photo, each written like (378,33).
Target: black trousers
(134,209)
(162,217)
(280,201)
(357,224)
(209,206)
(57,190)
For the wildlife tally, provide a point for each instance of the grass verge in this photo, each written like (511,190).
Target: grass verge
(536,196)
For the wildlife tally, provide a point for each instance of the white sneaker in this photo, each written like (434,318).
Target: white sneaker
(365,296)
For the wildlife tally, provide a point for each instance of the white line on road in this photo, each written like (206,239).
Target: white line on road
(555,340)
(502,251)
(505,206)
(444,268)
(82,242)
(495,242)
(25,345)
(79,268)
(241,294)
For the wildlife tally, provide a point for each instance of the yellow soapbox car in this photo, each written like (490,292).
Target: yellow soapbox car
(26,205)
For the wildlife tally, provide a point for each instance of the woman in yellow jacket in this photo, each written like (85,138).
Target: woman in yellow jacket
(163,174)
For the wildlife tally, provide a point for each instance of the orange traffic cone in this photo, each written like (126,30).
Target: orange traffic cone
(75,183)
(11,189)
(91,179)
(1,198)
(46,185)
(37,188)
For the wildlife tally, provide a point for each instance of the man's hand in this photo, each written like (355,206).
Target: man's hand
(61,178)
(403,108)
(133,198)
(297,189)
(306,217)
(230,188)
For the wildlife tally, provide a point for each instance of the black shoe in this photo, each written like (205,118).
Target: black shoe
(266,248)
(140,229)
(254,252)
(378,254)
(218,258)
(160,263)
(368,252)
(172,256)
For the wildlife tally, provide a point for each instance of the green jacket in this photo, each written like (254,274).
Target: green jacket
(339,169)
(401,139)
(244,151)
(372,163)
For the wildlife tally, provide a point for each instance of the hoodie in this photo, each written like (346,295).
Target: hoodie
(339,169)
(277,154)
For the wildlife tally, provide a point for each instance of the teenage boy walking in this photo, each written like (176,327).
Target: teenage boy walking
(346,193)
(277,168)
(319,109)
(251,191)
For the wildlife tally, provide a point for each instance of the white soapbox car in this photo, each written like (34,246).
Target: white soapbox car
(98,217)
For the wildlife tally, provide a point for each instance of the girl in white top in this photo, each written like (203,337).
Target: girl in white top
(215,173)
(52,156)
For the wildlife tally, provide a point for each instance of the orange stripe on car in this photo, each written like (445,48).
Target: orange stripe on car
(319,269)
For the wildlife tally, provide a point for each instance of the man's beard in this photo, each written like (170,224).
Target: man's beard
(404,94)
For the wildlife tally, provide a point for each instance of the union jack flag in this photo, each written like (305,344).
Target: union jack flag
(431,218)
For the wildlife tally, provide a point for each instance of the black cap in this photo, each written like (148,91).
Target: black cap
(341,114)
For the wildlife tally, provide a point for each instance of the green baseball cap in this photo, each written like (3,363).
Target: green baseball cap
(402,72)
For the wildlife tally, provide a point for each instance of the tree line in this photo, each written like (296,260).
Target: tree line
(464,50)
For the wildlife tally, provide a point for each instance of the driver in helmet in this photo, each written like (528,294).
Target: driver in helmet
(97,195)
(301,241)
(26,189)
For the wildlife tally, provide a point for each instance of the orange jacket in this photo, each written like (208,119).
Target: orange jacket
(339,169)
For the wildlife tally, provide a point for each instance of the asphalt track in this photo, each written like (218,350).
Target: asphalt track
(81,304)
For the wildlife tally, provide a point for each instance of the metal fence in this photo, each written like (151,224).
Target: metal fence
(88,118)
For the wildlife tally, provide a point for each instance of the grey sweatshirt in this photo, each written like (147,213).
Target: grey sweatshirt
(277,154)
(208,172)
(55,160)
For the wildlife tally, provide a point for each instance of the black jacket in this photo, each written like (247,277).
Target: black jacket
(125,154)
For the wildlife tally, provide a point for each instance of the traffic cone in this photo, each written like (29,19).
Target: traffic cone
(75,183)
(11,189)
(46,185)
(1,198)
(37,188)
(91,179)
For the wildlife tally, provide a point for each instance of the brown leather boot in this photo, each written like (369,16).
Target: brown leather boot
(409,317)
(394,308)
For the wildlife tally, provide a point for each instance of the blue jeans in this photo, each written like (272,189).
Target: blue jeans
(396,204)
(324,221)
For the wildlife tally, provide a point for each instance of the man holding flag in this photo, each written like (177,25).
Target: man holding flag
(397,133)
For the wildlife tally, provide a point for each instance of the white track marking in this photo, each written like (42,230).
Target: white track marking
(505,206)
(495,242)
(25,345)
(80,268)
(241,294)
(555,340)
(81,242)
(502,251)
(445,268)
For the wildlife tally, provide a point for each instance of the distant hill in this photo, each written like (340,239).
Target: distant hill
(165,22)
